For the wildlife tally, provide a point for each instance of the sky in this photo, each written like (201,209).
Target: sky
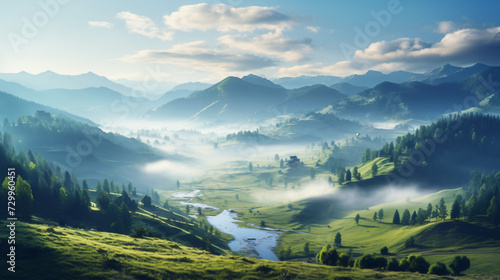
(183,41)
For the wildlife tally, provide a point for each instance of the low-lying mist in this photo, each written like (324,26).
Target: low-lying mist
(347,197)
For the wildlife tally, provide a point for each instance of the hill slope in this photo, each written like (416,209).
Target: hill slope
(78,254)
(230,99)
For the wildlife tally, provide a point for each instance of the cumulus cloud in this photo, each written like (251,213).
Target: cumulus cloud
(446,27)
(271,44)
(313,29)
(224,18)
(461,47)
(104,24)
(199,56)
(144,26)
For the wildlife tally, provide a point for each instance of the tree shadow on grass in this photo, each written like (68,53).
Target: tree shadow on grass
(368,226)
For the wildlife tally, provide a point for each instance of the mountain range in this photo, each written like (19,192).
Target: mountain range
(418,99)
(248,97)
(49,80)
(93,103)
(445,73)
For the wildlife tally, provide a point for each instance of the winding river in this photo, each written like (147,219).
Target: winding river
(250,241)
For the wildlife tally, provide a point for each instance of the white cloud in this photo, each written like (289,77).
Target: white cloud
(271,44)
(446,27)
(313,29)
(461,47)
(223,17)
(104,24)
(199,56)
(144,26)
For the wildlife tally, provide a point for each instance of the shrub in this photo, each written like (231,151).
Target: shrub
(344,260)
(410,242)
(365,261)
(380,262)
(404,265)
(327,256)
(393,265)
(459,264)
(418,264)
(438,268)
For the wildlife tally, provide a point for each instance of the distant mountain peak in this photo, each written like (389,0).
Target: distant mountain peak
(48,72)
(254,79)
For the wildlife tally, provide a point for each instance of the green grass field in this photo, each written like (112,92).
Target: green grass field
(67,253)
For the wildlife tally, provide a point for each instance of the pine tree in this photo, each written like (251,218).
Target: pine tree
(250,167)
(395,219)
(374,169)
(356,219)
(105,186)
(493,211)
(414,218)
(405,219)
(443,212)
(455,210)
(348,175)
(338,240)
(429,211)
(381,214)
(375,216)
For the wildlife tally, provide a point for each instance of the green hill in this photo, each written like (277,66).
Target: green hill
(46,252)
(418,100)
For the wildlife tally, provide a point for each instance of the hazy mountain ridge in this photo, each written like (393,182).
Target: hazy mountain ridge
(12,106)
(414,99)
(93,103)
(50,80)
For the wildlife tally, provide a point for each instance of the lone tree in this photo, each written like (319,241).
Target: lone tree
(146,201)
(455,210)
(357,219)
(375,218)
(338,240)
(384,251)
(396,219)
(178,184)
(187,209)
(459,264)
(250,167)
(381,214)
(306,248)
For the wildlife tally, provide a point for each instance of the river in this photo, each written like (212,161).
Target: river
(250,241)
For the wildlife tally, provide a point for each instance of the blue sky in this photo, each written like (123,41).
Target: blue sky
(206,41)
